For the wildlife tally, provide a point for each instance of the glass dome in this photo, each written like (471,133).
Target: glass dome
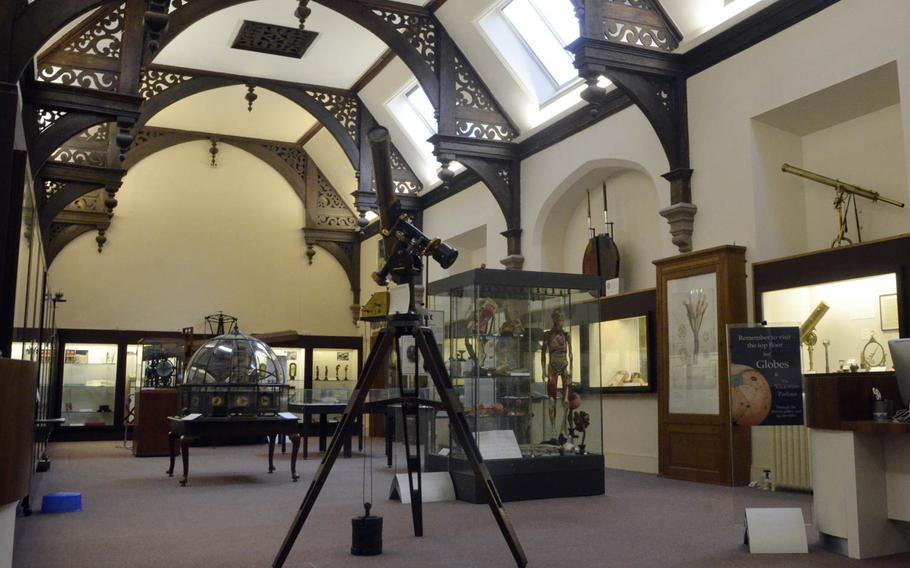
(234,359)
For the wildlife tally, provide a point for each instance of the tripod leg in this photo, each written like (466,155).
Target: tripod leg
(354,409)
(436,368)
(410,417)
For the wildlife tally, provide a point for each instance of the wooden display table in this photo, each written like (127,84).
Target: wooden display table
(209,427)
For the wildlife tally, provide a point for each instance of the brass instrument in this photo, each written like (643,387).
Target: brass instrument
(845,193)
(807,333)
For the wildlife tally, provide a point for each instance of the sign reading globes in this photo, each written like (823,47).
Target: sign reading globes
(766,380)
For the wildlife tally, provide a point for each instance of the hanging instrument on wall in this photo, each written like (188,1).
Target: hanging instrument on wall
(601,255)
(846,194)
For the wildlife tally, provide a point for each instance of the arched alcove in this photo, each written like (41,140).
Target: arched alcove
(190,237)
(561,232)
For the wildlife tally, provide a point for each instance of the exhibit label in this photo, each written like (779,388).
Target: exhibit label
(766,380)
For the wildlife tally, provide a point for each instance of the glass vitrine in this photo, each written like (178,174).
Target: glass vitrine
(517,348)
(89,384)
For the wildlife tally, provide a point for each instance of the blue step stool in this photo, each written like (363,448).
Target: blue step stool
(61,503)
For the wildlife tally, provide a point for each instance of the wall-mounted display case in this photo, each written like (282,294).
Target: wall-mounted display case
(628,342)
(517,348)
(851,301)
(89,384)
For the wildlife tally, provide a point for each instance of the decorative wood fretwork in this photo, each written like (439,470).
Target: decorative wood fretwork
(46,117)
(642,23)
(476,113)
(293,156)
(273,39)
(419,31)
(103,39)
(92,147)
(344,107)
(89,56)
(404,179)
(156,81)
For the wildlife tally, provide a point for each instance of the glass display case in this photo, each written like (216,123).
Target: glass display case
(335,367)
(89,384)
(517,346)
(628,343)
(234,375)
(845,324)
(293,360)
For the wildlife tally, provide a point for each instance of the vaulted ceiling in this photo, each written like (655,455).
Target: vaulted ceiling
(341,55)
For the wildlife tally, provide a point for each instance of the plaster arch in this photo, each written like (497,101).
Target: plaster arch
(565,198)
(198,85)
(624,141)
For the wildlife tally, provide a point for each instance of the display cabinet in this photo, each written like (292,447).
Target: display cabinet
(517,349)
(850,301)
(698,295)
(89,384)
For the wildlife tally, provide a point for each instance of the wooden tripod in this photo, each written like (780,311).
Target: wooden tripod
(398,326)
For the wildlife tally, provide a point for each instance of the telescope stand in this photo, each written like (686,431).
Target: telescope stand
(398,326)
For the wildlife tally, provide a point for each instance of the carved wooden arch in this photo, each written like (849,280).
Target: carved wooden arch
(38,23)
(409,31)
(164,87)
(57,134)
(74,182)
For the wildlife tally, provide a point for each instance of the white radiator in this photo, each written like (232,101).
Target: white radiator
(790,451)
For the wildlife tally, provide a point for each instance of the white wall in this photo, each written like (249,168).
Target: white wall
(188,240)
(741,194)
(466,211)
(867,151)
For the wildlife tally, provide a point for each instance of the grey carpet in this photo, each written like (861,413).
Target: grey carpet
(233,514)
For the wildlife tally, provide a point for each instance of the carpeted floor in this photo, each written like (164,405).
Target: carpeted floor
(233,514)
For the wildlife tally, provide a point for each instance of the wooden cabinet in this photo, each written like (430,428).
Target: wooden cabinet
(698,295)
(18,390)
(153,407)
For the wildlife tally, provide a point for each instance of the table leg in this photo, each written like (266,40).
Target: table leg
(284,444)
(172,445)
(323,430)
(185,454)
(389,436)
(295,448)
(306,434)
(271,452)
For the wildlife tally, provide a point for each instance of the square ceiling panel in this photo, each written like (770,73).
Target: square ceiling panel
(273,39)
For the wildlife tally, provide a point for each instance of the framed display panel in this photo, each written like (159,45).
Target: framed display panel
(698,295)
(89,384)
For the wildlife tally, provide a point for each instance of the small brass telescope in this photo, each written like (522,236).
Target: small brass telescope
(845,193)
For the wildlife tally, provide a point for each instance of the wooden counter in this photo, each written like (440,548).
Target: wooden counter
(835,398)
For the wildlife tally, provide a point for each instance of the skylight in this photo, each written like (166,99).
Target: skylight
(546,27)
(421,104)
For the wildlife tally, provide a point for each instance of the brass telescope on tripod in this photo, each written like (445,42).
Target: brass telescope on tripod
(846,193)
